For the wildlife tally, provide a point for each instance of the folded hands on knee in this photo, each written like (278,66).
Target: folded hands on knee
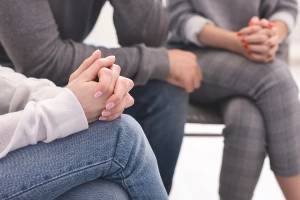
(260,40)
(101,91)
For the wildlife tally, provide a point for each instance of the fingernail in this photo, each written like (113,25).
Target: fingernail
(238,34)
(97,51)
(270,26)
(98,94)
(109,106)
(245,45)
(105,113)
(102,118)
(111,57)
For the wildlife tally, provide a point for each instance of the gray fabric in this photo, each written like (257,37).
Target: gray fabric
(244,149)
(43,38)
(274,93)
(230,14)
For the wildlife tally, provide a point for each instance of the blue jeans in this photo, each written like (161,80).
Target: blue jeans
(161,110)
(115,151)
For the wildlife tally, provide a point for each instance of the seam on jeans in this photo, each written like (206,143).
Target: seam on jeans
(116,147)
(122,173)
(58,177)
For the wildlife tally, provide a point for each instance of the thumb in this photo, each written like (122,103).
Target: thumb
(92,72)
(86,64)
(254,21)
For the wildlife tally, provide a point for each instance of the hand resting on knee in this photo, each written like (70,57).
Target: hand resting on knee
(101,91)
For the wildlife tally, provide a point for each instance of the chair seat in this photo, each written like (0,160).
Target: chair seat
(204,114)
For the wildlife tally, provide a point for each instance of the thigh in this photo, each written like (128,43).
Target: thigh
(45,171)
(228,74)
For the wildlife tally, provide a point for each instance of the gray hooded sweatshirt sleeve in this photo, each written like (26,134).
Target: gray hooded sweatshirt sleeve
(33,42)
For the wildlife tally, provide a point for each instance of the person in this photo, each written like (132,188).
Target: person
(42,156)
(44,39)
(240,47)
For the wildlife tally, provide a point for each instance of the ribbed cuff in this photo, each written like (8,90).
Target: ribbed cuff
(162,65)
(285,17)
(66,107)
(155,65)
(193,26)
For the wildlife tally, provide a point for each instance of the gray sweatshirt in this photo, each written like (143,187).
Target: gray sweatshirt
(188,17)
(43,38)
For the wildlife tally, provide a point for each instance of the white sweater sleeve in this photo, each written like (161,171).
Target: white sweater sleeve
(34,110)
(185,23)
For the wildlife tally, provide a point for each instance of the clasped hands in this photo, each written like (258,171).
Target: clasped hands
(101,91)
(260,40)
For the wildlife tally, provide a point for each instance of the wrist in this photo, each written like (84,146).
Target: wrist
(282,30)
(233,43)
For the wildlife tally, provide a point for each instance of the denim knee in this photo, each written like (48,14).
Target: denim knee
(132,145)
(97,189)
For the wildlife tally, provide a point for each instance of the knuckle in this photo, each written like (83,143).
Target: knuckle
(71,77)
(132,100)
(129,83)
(118,67)
(118,98)
(110,90)
(104,88)
(106,72)
(85,61)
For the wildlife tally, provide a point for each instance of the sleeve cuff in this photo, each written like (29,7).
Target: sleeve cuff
(72,116)
(155,65)
(285,17)
(193,26)
(161,67)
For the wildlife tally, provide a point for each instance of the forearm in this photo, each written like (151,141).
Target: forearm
(141,63)
(213,36)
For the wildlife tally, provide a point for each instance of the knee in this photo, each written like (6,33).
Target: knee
(124,135)
(130,130)
(244,124)
(97,189)
(276,79)
(132,144)
(242,112)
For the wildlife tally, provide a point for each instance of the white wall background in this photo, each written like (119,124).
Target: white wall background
(198,168)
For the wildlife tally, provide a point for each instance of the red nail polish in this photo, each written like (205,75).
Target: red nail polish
(270,26)
(246,46)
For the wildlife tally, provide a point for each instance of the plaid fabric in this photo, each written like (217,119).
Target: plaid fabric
(265,120)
